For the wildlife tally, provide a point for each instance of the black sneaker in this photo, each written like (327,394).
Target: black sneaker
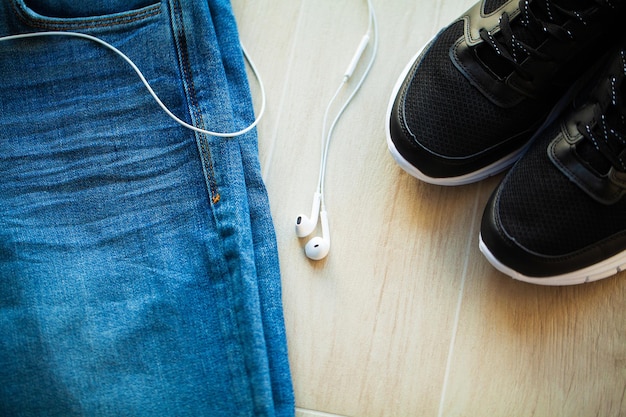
(467,105)
(559,215)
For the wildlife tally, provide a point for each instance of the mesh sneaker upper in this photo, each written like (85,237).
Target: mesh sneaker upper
(546,213)
(567,197)
(482,88)
(451,117)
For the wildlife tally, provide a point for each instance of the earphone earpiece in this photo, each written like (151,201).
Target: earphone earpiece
(318,247)
(306,225)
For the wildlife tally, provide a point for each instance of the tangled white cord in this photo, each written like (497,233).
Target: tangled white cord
(147,85)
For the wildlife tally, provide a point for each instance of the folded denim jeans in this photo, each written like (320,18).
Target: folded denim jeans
(138,266)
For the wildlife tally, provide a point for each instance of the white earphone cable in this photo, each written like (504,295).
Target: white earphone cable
(327,136)
(147,85)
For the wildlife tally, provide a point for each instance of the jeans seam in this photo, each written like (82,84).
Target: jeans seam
(86,23)
(201,138)
(230,315)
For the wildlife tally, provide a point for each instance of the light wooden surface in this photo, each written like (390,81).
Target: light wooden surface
(405,317)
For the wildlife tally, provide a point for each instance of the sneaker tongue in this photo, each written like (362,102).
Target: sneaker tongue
(573,4)
(614,117)
(530,33)
(593,157)
(546,11)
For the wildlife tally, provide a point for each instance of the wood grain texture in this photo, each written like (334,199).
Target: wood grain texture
(405,317)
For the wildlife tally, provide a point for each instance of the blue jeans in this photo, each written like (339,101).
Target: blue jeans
(138,263)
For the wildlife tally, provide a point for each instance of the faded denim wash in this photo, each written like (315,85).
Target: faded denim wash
(138,264)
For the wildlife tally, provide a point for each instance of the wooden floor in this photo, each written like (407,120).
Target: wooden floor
(405,317)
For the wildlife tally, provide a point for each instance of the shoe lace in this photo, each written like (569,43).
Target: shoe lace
(514,41)
(607,130)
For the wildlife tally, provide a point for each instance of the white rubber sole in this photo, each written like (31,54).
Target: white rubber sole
(604,269)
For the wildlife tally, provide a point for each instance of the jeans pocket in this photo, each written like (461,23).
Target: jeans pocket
(83,15)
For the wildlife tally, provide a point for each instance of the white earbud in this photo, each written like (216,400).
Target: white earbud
(305,225)
(318,247)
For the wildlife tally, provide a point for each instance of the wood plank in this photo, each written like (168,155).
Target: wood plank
(405,317)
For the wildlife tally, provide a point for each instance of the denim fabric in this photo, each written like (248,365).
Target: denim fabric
(138,264)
